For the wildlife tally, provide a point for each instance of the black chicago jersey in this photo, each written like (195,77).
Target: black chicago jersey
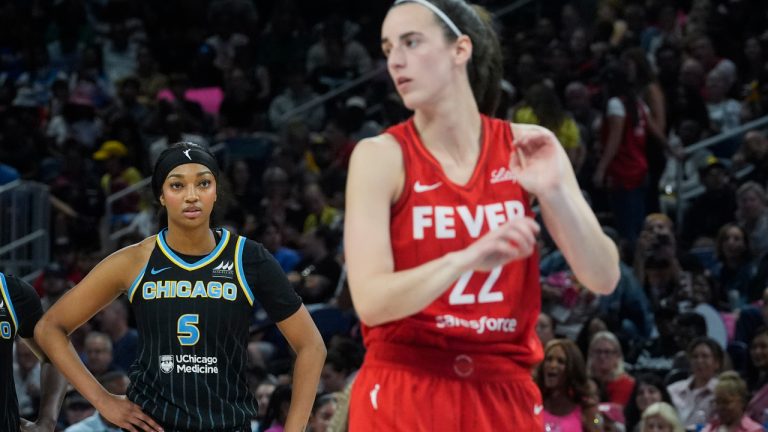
(192,315)
(19,312)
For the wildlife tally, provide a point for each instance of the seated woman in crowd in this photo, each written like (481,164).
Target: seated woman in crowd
(693,397)
(731,397)
(562,379)
(649,389)
(605,363)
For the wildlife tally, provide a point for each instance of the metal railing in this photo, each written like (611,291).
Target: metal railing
(684,197)
(24,228)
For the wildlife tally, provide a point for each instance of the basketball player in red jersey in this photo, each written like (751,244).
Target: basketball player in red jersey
(440,236)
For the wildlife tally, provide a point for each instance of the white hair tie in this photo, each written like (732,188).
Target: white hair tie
(437,12)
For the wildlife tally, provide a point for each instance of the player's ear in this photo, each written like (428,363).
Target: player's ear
(162,201)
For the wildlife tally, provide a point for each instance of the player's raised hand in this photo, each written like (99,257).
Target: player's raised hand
(127,415)
(515,239)
(539,162)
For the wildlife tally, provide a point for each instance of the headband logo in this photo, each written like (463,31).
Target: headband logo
(186,153)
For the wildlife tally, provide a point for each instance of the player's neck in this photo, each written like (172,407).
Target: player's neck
(451,126)
(196,241)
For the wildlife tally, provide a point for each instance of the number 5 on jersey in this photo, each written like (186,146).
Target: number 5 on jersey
(187,330)
(486,295)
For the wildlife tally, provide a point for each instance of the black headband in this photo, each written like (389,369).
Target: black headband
(174,157)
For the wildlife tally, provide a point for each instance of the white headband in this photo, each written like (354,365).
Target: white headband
(440,14)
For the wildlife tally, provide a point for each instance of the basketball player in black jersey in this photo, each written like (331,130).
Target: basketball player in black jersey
(192,289)
(20,310)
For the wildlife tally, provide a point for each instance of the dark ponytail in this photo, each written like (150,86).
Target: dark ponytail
(485,68)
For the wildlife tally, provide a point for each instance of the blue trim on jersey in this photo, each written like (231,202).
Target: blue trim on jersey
(168,252)
(239,270)
(7,299)
(132,289)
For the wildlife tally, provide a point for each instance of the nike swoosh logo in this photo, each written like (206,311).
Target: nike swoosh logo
(419,188)
(1,304)
(537,409)
(154,272)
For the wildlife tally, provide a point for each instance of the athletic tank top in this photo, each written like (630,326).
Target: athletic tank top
(493,312)
(192,320)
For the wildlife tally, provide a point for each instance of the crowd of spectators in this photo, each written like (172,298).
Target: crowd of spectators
(92,91)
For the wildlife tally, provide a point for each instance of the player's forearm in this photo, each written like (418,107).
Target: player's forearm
(306,376)
(54,341)
(53,386)
(590,253)
(388,297)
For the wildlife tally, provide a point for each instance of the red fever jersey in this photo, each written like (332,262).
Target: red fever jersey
(482,312)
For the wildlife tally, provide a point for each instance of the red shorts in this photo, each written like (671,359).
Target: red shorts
(421,389)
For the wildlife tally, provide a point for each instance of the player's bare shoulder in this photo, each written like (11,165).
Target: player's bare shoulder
(383,148)
(125,264)
(377,162)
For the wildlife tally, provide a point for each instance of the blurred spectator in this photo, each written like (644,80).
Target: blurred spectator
(315,277)
(693,397)
(115,383)
(119,51)
(76,408)
(731,398)
(545,328)
(263,393)
(724,112)
(55,284)
(660,416)
(702,50)
(78,202)
(150,79)
(26,376)
(623,165)
(297,92)
(332,46)
(118,175)
(322,413)
(577,102)
(712,209)
(757,374)
(541,106)
(127,103)
(279,204)
(735,268)
(320,212)
(268,234)
(277,410)
(173,132)
(562,380)
(605,364)
(357,123)
(245,190)
(650,91)
(655,259)
(649,389)
(752,215)
(113,320)
(338,372)
(78,120)
(240,106)
(98,353)
(753,153)
(613,417)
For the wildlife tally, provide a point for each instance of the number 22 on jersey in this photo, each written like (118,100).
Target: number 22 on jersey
(486,294)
